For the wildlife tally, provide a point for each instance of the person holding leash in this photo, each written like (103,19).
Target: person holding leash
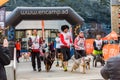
(98,45)
(66,41)
(35,51)
(80,47)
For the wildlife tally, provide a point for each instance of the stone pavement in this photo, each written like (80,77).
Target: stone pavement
(25,72)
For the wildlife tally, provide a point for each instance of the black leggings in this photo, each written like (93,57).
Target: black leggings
(66,53)
(18,55)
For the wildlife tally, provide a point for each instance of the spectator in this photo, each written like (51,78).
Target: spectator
(18,48)
(5,42)
(4,60)
(111,70)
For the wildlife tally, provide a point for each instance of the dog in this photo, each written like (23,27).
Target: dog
(49,58)
(77,64)
(25,57)
(96,59)
(60,58)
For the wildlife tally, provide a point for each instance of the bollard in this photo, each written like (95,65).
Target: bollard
(14,64)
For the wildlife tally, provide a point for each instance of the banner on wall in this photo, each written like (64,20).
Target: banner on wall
(89,46)
(110,50)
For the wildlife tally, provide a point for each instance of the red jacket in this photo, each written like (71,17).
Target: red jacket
(18,46)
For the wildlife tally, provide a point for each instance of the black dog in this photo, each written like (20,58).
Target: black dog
(98,58)
(49,58)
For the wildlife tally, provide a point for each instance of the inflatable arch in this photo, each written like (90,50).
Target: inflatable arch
(43,13)
(40,13)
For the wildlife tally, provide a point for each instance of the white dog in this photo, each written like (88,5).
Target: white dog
(25,57)
(77,64)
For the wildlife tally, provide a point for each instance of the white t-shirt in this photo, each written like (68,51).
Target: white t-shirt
(35,41)
(57,39)
(98,43)
(81,43)
(67,36)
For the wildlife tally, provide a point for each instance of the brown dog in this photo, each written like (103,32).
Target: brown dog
(48,60)
(60,58)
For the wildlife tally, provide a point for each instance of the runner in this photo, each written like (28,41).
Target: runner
(79,44)
(57,47)
(66,41)
(98,45)
(35,51)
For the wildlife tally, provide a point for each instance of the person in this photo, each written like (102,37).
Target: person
(66,41)
(98,46)
(5,42)
(43,46)
(51,46)
(111,69)
(4,60)
(35,51)
(57,47)
(18,48)
(80,47)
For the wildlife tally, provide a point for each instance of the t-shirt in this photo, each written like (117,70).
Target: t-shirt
(35,42)
(58,43)
(66,39)
(98,44)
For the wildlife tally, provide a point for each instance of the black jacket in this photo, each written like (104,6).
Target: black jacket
(4,60)
(111,70)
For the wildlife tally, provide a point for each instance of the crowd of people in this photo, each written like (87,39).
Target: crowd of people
(61,45)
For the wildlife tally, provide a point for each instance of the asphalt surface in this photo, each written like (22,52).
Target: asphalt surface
(25,72)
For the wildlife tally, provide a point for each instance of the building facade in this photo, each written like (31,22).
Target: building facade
(115,16)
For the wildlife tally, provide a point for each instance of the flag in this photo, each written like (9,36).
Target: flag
(42,25)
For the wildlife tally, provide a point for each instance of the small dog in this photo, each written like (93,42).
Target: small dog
(77,64)
(49,58)
(97,59)
(25,56)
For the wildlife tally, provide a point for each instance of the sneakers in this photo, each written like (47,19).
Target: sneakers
(65,68)
(34,69)
(39,69)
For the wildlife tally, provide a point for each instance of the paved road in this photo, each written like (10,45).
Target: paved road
(25,72)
